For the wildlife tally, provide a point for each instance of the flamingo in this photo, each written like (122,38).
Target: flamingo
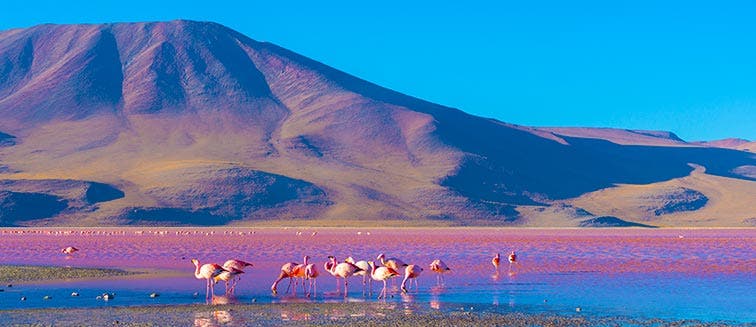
(392,263)
(496,260)
(328,265)
(69,250)
(440,268)
(343,270)
(299,273)
(287,270)
(238,265)
(381,274)
(411,272)
(207,271)
(311,272)
(362,264)
(512,259)
(229,274)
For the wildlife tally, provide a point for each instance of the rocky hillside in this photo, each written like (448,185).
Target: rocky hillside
(194,123)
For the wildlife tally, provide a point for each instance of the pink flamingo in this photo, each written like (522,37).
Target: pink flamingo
(311,272)
(69,250)
(228,275)
(327,266)
(287,271)
(343,270)
(299,273)
(440,268)
(381,274)
(238,265)
(512,259)
(392,263)
(496,261)
(207,271)
(365,272)
(411,272)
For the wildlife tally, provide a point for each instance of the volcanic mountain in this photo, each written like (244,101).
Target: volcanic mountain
(192,123)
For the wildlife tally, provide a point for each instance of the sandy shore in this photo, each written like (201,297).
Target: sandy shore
(318,314)
(17,274)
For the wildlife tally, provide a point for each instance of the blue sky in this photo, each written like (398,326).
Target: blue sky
(682,66)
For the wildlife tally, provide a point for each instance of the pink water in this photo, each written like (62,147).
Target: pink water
(679,274)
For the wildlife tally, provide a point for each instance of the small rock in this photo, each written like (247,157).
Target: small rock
(254,300)
(10,285)
(2,290)
(195,294)
(23,298)
(578,309)
(74,294)
(99,297)
(108,296)
(47,297)
(154,295)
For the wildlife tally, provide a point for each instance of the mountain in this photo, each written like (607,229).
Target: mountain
(731,143)
(192,123)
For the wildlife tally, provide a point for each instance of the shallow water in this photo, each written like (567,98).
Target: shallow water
(708,275)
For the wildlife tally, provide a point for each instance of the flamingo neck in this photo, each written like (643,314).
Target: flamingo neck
(372,270)
(197,270)
(333,266)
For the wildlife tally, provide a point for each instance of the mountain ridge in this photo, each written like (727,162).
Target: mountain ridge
(167,111)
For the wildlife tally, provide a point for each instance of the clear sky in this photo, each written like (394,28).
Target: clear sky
(684,66)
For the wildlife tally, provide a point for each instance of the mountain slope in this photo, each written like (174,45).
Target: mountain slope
(198,124)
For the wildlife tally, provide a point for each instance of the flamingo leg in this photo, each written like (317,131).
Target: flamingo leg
(346,286)
(383,291)
(207,290)
(289,286)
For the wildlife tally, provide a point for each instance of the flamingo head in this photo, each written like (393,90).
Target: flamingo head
(195,262)
(371,264)
(350,260)
(306,259)
(381,257)
(497,255)
(332,258)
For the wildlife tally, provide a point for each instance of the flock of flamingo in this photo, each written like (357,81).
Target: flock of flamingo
(307,273)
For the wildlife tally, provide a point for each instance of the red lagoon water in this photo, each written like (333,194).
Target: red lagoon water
(704,274)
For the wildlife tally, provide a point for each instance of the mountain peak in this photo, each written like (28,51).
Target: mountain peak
(63,72)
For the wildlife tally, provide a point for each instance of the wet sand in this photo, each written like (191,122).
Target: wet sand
(315,314)
(17,274)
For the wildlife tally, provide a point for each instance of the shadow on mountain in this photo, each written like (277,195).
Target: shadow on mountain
(172,217)
(7,140)
(17,207)
(609,221)
(528,168)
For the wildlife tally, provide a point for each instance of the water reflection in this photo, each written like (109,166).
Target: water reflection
(213,319)
(224,299)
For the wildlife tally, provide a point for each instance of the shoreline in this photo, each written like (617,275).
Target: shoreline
(324,314)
